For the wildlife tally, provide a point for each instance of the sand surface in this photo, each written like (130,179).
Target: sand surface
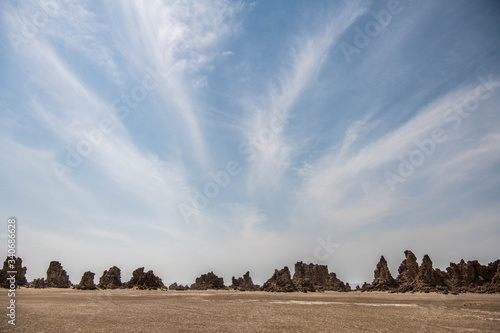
(67,310)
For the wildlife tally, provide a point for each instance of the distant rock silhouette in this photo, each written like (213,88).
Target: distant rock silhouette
(111,279)
(147,280)
(57,276)
(244,283)
(313,277)
(458,278)
(87,282)
(174,286)
(208,281)
(20,276)
(281,281)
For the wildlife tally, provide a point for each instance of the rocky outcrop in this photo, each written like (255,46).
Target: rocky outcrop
(473,277)
(428,279)
(496,278)
(39,283)
(426,275)
(87,282)
(281,281)
(494,285)
(148,280)
(313,277)
(335,284)
(244,283)
(174,286)
(14,265)
(111,279)
(57,276)
(310,277)
(208,281)
(383,280)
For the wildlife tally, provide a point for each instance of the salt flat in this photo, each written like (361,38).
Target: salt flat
(67,310)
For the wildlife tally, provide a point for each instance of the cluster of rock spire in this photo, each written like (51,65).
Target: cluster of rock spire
(458,278)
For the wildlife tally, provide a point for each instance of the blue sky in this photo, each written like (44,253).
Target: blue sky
(188,136)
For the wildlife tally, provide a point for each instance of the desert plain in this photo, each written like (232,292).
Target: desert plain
(131,310)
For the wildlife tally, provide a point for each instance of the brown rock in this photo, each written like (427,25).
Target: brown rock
(15,265)
(244,283)
(39,283)
(281,281)
(208,281)
(496,277)
(471,277)
(494,286)
(111,279)
(408,269)
(427,279)
(310,277)
(313,277)
(57,276)
(335,284)
(174,286)
(146,280)
(87,282)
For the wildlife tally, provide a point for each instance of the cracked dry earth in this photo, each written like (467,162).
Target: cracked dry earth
(67,310)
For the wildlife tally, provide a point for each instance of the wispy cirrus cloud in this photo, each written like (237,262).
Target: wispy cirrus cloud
(266,129)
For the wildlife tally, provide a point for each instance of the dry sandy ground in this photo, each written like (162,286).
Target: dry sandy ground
(65,310)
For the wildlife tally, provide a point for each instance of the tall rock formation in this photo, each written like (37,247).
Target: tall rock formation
(208,281)
(281,281)
(382,280)
(244,283)
(57,276)
(15,265)
(427,279)
(111,279)
(87,282)
(408,269)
